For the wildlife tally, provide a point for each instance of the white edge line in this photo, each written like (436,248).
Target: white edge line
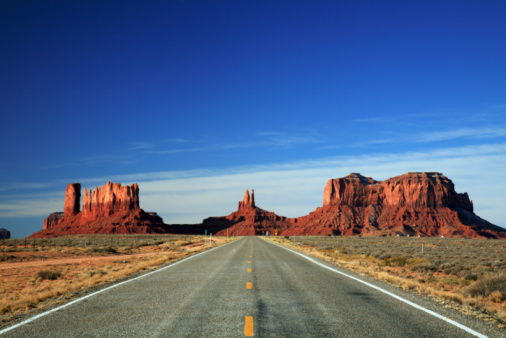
(437,315)
(29,320)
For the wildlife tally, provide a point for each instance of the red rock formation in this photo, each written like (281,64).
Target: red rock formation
(415,190)
(424,204)
(109,199)
(52,220)
(72,199)
(248,220)
(248,201)
(5,234)
(110,209)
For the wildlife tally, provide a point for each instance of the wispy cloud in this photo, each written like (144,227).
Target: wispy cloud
(269,140)
(142,145)
(468,133)
(176,140)
(285,140)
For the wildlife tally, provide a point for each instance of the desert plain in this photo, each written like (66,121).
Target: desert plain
(465,274)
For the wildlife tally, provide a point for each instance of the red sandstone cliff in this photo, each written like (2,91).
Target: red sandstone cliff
(248,220)
(110,209)
(414,204)
(424,204)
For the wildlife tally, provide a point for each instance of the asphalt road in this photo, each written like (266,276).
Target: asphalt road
(248,287)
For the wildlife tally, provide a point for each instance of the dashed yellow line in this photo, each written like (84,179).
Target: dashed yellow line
(249,262)
(248,326)
(249,285)
(249,269)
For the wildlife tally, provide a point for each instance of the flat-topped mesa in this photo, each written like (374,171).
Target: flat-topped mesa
(110,198)
(248,202)
(416,190)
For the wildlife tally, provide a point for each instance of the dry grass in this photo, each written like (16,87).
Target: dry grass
(466,274)
(42,272)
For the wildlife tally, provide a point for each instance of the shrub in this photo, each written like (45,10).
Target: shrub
(486,286)
(471,276)
(51,275)
(105,249)
(496,296)
(424,267)
(393,261)
(93,273)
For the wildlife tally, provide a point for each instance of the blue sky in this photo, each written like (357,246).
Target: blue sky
(199,100)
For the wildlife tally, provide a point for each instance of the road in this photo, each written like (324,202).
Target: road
(247,287)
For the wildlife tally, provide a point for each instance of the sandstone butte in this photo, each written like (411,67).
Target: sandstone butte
(110,209)
(415,204)
(423,204)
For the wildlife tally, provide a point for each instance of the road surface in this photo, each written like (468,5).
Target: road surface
(249,287)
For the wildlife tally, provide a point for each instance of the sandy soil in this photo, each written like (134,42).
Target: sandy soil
(85,259)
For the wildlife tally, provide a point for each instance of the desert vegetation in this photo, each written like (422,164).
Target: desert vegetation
(40,273)
(466,274)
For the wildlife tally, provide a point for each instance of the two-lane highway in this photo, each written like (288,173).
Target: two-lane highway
(248,287)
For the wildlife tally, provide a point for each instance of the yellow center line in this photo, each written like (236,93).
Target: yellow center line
(249,285)
(250,256)
(249,262)
(248,326)
(249,269)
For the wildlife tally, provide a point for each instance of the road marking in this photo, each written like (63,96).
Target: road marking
(250,256)
(29,320)
(248,326)
(249,269)
(435,314)
(249,285)
(249,262)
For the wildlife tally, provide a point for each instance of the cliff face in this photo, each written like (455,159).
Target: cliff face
(110,199)
(248,220)
(5,234)
(72,199)
(416,204)
(424,204)
(110,209)
(414,190)
(248,202)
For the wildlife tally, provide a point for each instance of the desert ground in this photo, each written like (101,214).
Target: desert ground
(38,274)
(465,274)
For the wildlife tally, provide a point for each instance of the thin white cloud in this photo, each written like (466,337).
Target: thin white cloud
(469,133)
(141,145)
(177,140)
(373,119)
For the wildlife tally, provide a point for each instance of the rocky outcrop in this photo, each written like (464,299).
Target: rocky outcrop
(248,202)
(416,204)
(52,220)
(415,190)
(110,209)
(5,234)
(248,220)
(110,199)
(72,199)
